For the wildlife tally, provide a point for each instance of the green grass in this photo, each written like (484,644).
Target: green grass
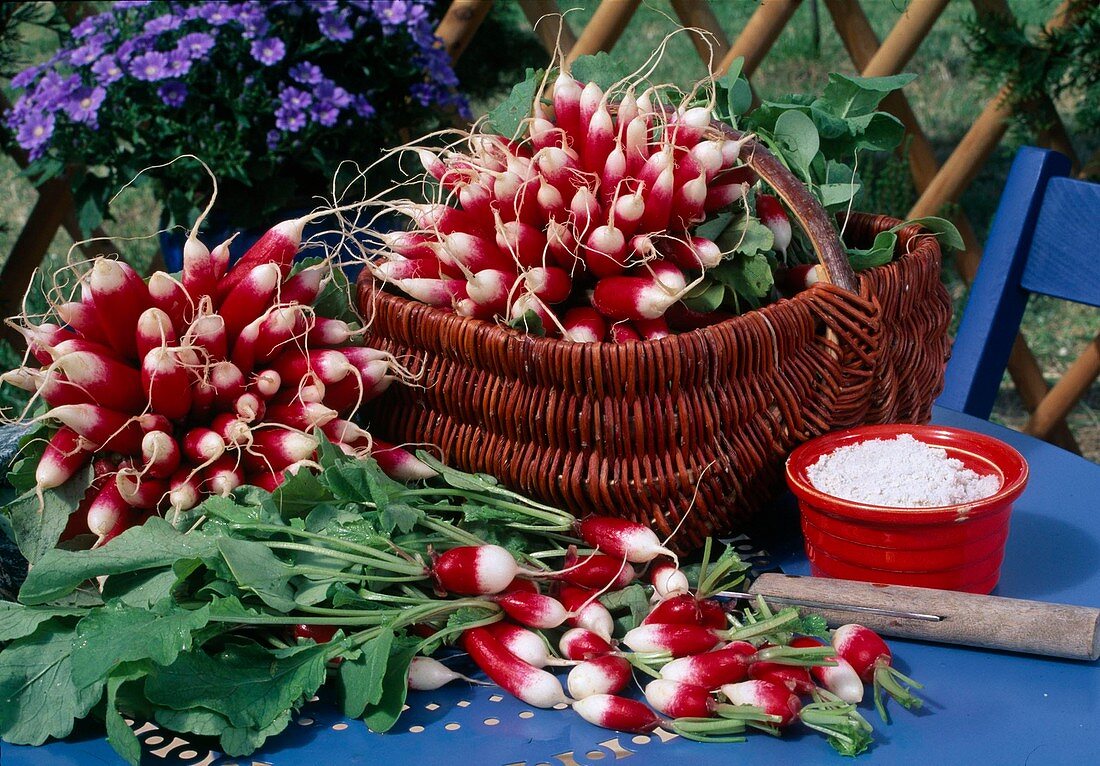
(945,97)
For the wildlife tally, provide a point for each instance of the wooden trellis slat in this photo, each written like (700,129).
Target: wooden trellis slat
(545,17)
(459,24)
(712,48)
(604,28)
(975,148)
(759,34)
(1065,394)
(904,39)
(54,198)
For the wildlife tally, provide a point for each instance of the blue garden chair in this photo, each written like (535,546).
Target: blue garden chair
(1045,239)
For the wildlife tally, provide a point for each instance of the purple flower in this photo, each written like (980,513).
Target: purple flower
(26,77)
(133,47)
(35,132)
(151,66)
(86,54)
(294,98)
(89,25)
(84,104)
(324,113)
(335,26)
(306,73)
(196,44)
(268,51)
(217,13)
(179,63)
(273,139)
(425,92)
(362,106)
(132,3)
(173,93)
(161,24)
(393,13)
(106,70)
(253,20)
(417,14)
(330,92)
(290,120)
(53,89)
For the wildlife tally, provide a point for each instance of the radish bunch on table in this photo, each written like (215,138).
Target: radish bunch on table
(586,220)
(715,672)
(182,387)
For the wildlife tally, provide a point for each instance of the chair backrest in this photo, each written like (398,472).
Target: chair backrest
(1045,239)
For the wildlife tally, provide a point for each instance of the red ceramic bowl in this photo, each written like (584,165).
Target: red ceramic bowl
(955,547)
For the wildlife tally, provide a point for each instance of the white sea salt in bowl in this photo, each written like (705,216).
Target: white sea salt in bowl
(907,504)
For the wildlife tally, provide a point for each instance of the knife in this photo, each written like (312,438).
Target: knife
(969,619)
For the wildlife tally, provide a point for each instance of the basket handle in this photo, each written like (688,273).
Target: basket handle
(810,214)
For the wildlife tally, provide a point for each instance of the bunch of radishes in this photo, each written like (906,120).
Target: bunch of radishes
(178,388)
(717,673)
(586,220)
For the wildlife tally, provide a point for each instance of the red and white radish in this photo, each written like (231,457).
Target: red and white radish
(570,193)
(586,610)
(678,640)
(710,670)
(668,579)
(535,610)
(772,699)
(608,674)
(597,571)
(620,713)
(530,684)
(427,674)
(679,699)
(475,570)
(526,644)
(583,644)
(685,609)
(841,679)
(772,215)
(872,660)
(621,538)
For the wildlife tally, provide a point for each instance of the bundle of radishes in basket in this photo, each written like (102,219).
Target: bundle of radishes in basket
(582,223)
(607,208)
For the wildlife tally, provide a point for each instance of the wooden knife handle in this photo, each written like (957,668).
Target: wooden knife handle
(1036,627)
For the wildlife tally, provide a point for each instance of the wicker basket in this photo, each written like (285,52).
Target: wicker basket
(697,424)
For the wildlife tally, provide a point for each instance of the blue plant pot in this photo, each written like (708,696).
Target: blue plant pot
(217,229)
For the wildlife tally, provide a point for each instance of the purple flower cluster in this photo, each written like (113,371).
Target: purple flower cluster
(160,54)
(322,103)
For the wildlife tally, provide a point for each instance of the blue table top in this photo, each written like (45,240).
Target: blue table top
(981,706)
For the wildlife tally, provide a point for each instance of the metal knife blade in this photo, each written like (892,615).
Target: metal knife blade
(810,604)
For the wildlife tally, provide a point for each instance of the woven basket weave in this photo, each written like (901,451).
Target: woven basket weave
(701,421)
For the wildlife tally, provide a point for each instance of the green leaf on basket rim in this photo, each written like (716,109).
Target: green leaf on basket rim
(945,231)
(880,253)
(707,297)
